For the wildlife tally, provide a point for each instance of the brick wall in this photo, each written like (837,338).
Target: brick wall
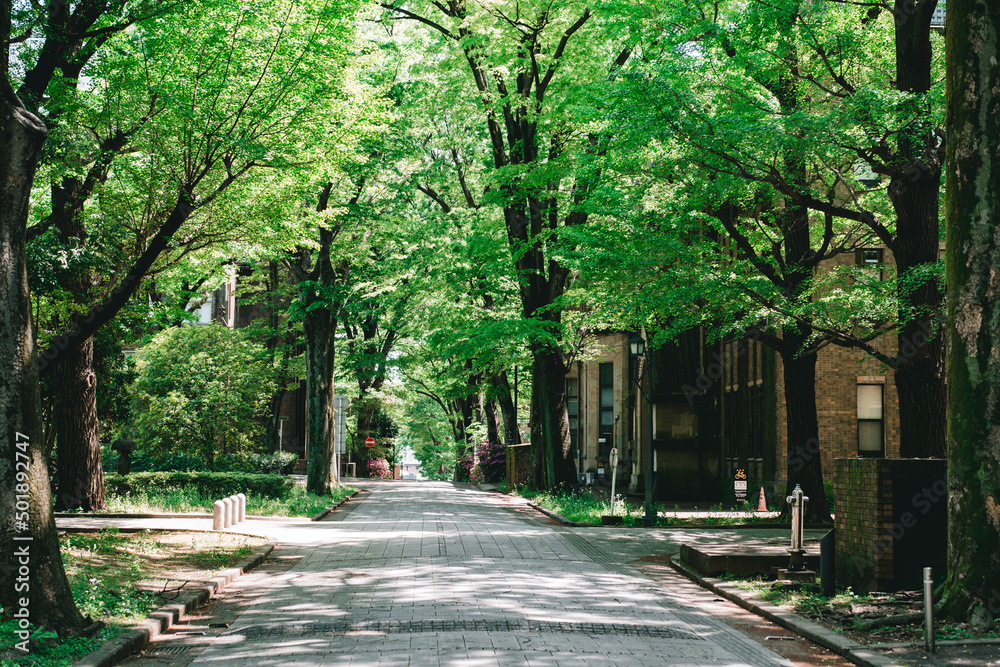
(891,521)
(839,371)
(518,464)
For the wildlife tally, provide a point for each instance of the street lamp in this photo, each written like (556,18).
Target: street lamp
(637,351)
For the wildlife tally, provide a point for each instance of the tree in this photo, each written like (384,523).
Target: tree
(233,120)
(201,390)
(22,135)
(197,126)
(525,60)
(973,253)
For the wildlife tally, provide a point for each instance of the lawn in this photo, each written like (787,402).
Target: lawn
(297,504)
(585,508)
(118,578)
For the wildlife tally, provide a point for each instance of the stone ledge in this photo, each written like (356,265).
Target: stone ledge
(162,619)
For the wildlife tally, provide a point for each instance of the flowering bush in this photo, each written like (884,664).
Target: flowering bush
(463,468)
(493,461)
(492,466)
(379,469)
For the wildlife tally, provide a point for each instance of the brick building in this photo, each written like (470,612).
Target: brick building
(718,407)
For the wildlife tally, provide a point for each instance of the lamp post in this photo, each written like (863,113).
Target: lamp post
(637,351)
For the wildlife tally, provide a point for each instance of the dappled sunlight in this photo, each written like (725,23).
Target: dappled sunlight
(453,572)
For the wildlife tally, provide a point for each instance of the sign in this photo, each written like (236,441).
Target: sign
(740,485)
(341,404)
(370,442)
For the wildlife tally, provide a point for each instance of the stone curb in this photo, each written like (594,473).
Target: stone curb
(331,508)
(162,619)
(856,653)
(559,518)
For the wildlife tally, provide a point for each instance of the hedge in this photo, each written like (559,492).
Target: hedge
(219,484)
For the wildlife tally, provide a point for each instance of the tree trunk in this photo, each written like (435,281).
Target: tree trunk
(507,413)
(919,367)
(29,545)
(551,456)
(319,327)
(80,477)
(492,415)
(972,212)
(272,423)
(805,465)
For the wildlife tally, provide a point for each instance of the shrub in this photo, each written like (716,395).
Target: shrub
(279,463)
(492,462)
(491,468)
(379,469)
(200,391)
(215,484)
(463,467)
(143,462)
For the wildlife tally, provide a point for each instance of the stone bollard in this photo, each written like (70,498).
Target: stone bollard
(218,515)
(236,509)
(227,503)
(243,506)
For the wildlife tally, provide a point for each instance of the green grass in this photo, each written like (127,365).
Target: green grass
(297,504)
(104,571)
(583,508)
(49,652)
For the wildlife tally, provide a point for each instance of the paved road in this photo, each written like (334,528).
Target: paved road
(422,573)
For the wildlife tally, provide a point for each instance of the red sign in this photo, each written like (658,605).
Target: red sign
(370,442)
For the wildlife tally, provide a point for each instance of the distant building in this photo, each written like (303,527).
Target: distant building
(410,466)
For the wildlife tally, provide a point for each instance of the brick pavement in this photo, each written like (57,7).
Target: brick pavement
(422,573)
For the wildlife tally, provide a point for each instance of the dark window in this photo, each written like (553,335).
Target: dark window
(871,436)
(607,409)
(573,408)
(870,259)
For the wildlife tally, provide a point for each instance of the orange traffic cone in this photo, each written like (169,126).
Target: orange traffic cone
(762,504)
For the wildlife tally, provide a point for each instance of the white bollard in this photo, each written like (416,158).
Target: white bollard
(218,515)
(236,509)
(228,512)
(243,506)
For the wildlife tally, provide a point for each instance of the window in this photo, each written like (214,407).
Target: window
(871,440)
(606,400)
(870,259)
(573,408)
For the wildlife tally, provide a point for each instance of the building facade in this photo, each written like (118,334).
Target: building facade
(719,407)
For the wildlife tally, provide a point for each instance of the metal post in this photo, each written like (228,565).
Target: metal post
(650,513)
(614,476)
(928,610)
(798,501)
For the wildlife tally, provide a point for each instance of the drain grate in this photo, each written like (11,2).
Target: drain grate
(170,650)
(405,627)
